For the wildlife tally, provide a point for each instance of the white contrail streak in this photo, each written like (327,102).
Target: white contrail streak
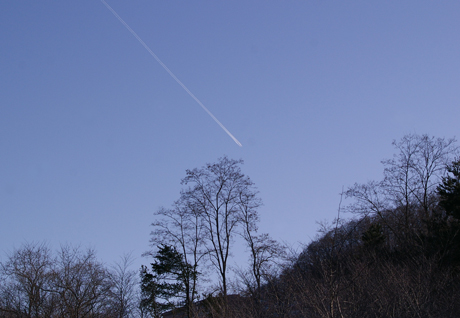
(170,73)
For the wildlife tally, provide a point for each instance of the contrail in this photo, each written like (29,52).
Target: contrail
(170,73)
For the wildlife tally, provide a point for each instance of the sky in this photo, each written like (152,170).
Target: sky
(95,135)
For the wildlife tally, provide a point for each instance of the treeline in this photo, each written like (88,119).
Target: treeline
(71,282)
(392,251)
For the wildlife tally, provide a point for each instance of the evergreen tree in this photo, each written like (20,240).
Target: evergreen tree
(166,286)
(373,238)
(449,190)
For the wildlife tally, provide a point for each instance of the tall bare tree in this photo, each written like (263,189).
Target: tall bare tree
(220,192)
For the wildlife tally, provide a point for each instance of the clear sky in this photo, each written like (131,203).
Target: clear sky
(95,135)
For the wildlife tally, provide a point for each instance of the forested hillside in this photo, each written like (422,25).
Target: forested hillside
(399,254)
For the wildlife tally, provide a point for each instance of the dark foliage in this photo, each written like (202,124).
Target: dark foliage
(449,191)
(164,288)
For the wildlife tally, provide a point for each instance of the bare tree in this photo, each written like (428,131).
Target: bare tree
(264,251)
(217,204)
(124,282)
(265,255)
(220,192)
(415,171)
(406,195)
(26,281)
(82,284)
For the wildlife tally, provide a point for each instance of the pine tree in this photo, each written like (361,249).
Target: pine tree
(167,285)
(449,190)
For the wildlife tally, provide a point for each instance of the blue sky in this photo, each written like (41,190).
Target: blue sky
(95,135)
